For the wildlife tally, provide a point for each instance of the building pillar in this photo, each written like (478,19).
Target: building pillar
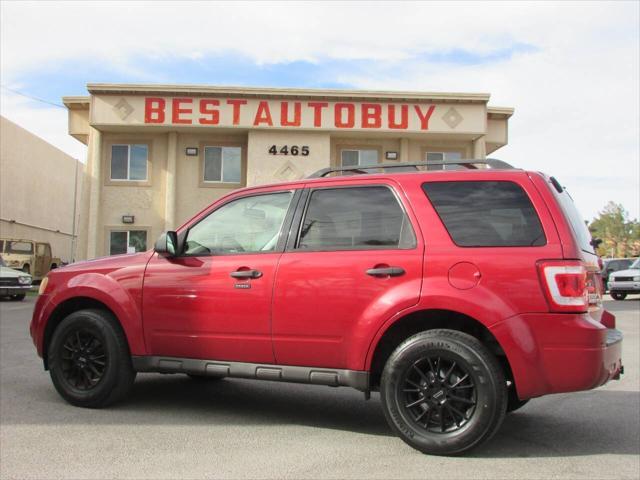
(170,187)
(95,180)
(480,148)
(404,150)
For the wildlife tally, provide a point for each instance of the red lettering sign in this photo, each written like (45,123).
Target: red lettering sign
(404,117)
(236,109)
(424,117)
(210,115)
(263,115)
(351,115)
(371,115)
(154,110)
(317,112)
(177,111)
(284,114)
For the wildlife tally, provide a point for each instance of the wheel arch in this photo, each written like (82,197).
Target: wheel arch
(66,308)
(429,319)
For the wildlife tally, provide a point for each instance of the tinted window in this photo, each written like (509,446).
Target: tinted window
(355,218)
(20,247)
(249,224)
(486,214)
(578,225)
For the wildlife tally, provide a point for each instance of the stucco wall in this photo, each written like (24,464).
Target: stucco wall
(36,189)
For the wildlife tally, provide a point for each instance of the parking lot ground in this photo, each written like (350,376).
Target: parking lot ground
(173,427)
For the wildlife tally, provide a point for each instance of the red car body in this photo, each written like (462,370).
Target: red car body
(317,309)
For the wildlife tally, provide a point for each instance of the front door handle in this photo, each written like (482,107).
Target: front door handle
(386,272)
(246,274)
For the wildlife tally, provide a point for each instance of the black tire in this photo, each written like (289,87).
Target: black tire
(89,360)
(513,402)
(618,296)
(19,297)
(450,361)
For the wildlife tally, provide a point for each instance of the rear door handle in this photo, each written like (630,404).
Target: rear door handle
(246,274)
(386,272)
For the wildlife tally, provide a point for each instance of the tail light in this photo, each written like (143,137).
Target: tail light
(565,285)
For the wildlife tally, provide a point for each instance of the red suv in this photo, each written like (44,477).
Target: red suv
(457,294)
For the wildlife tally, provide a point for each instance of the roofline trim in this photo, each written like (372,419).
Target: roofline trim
(98,88)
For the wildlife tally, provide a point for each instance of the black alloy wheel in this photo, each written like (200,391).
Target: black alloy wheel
(84,359)
(89,359)
(440,394)
(443,392)
(618,296)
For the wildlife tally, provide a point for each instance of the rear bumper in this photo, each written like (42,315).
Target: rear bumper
(554,353)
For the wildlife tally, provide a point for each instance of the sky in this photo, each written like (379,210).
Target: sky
(571,70)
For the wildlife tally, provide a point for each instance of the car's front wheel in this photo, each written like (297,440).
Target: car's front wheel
(443,392)
(89,359)
(618,296)
(18,297)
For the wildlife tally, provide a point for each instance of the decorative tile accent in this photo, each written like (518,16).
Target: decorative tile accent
(123,109)
(287,172)
(452,118)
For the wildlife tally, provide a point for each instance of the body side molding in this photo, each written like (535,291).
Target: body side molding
(284,373)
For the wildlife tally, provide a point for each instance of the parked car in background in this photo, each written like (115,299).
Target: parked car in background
(33,258)
(14,284)
(458,294)
(625,282)
(611,265)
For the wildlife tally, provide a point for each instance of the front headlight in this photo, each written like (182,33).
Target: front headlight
(43,285)
(24,280)
(636,279)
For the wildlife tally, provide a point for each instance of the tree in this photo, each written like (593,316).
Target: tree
(620,236)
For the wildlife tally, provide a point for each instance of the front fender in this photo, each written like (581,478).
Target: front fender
(123,296)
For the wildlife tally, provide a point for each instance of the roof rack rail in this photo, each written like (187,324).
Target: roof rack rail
(471,164)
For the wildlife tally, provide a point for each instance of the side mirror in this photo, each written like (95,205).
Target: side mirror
(166,244)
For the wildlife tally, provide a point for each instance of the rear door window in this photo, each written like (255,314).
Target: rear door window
(486,213)
(355,218)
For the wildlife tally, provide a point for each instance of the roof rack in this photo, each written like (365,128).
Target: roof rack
(471,164)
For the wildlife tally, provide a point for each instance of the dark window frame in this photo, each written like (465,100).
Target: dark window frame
(301,213)
(444,225)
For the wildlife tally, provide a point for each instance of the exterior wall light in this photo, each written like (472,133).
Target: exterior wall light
(128,218)
(391,155)
(191,151)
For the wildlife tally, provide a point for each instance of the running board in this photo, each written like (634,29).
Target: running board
(283,373)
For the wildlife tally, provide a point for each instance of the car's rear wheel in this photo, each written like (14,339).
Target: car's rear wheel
(89,360)
(443,392)
(19,297)
(618,296)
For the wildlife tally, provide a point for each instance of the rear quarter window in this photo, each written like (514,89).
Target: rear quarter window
(486,213)
(571,213)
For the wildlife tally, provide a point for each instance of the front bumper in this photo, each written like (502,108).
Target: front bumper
(624,287)
(14,290)
(554,353)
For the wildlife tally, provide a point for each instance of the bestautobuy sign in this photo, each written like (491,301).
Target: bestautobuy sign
(287,114)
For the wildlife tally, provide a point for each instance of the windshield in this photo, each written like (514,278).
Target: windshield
(635,264)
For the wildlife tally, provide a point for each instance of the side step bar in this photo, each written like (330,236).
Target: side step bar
(284,373)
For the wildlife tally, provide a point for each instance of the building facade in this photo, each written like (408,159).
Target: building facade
(39,185)
(157,154)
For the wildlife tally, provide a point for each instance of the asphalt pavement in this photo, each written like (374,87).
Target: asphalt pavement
(174,427)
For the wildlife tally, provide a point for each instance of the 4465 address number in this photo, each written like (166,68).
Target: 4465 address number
(289,150)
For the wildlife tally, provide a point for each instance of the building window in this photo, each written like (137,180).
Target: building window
(358,158)
(127,241)
(441,157)
(223,164)
(129,162)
